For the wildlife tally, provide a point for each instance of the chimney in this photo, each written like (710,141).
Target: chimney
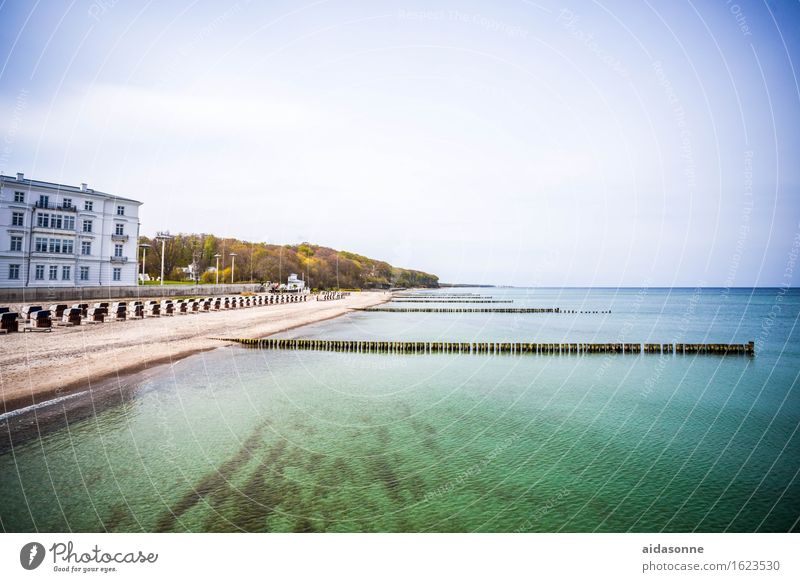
(20,176)
(83,186)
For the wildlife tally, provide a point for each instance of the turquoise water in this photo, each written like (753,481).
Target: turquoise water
(247,440)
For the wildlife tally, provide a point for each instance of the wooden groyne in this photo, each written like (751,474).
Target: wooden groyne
(452,300)
(442,296)
(511,348)
(477,310)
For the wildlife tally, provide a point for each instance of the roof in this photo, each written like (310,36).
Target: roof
(64,188)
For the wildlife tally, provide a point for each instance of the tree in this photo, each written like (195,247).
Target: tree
(321,267)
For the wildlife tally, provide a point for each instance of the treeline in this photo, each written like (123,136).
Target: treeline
(320,267)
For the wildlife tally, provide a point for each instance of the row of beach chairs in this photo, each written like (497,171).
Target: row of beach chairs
(37,318)
(332,295)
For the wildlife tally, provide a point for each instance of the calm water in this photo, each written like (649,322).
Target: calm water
(242,439)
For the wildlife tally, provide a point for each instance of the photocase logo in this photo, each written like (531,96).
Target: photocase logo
(31,555)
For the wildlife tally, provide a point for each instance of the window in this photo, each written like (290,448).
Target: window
(66,273)
(67,203)
(19,196)
(16,243)
(120,211)
(43,220)
(53,273)
(13,272)
(44,200)
(86,248)
(87,226)
(54,245)
(57,221)
(39,272)
(119,229)
(17,219)
(117,274)
(88,205)
(117,250)
(69,223)
(84,273)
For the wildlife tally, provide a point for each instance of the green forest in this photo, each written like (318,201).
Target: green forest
(320,267)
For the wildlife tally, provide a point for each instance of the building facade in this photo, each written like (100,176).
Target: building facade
(294,283)
(52,235)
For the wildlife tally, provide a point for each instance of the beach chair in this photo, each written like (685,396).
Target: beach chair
(58,310)
(9,322)
(181,307)
(136,309)
(72,316)
(96,314)
(120,312)
(25,312)
(84,307)
(167,307)
(103,305)
(40,320)
(152,309)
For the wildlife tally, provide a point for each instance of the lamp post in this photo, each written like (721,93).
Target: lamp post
(163,236)
(144,247)
(233,265)
(217,256)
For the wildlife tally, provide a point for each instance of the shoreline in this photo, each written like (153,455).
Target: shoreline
(38,367)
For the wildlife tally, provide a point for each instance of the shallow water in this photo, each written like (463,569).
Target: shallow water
(257,440)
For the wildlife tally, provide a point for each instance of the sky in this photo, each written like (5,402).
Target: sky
(541,143)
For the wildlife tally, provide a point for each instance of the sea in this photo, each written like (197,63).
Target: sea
(259,440)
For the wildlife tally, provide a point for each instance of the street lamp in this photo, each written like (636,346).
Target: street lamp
(144,247)
(217,256)
(163,236)
(233,265)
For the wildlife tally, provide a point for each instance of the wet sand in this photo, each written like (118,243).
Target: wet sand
(36,367)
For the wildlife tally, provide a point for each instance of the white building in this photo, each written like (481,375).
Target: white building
(294,283)
(52,235)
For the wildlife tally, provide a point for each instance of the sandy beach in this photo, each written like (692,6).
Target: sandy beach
(36,367)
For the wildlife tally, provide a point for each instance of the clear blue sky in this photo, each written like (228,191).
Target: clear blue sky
(529,143)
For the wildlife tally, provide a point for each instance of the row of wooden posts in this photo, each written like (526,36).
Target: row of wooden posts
(478,310)
(403,347)
(444,296)
(471,300)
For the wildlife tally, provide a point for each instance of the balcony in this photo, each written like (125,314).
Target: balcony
(115,259)
(54,229)
(120,237)
(48,206)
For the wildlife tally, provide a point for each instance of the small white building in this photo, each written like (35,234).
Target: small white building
(294,283)
(54,235)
